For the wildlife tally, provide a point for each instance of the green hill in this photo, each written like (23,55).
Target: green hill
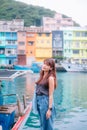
(11,9)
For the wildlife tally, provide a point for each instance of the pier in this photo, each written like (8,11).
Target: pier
(11,74)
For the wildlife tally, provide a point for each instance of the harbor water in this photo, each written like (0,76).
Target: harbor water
(70,99)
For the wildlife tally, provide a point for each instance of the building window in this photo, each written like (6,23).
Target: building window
(4,26)
(82,52)
(57,52)
(58,21)
(21,43)
(9,42)
(48,41)
(75,51)
(42,41)
(53,53)
(13,42)
(84,34)
(65,50)
(69,50)
(30,52)
(1,51)
(77,44)
(9,52)
(31,43)
(2,34)
(37,41)
(23,34)
(0,42)
(30,35)
(47,25)
(65,33)
(21,52)
(70,34)
(77,34)
(13,34)
(47,34)
(39,34)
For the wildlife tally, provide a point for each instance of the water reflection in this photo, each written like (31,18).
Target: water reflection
(1,97)
(70,99)
(73,105)
(22,85)
(70,102)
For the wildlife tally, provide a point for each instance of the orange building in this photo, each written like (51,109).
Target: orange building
(30,47)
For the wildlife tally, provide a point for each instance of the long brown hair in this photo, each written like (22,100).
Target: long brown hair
(51,63)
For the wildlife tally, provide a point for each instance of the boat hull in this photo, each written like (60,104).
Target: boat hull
(34,67)
(69,67)
(22,119)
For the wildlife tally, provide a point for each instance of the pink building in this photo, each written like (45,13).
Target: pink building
(21,47)
(33,29)
(13,25)
(52,24)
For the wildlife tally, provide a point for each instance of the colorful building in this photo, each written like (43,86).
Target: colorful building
(23,45)
(30,47)
(13,25)
(67,43)
(43,46)
(21,50)
(2,48)
(8,48)
(75,44)
(57,44)
(52,24)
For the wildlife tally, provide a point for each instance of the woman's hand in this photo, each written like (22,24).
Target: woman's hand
(48,113)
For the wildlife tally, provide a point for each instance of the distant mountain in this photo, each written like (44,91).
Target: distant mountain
(32,15)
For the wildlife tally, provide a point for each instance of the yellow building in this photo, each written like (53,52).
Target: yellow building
(43,46)
(79,45)
(75,44)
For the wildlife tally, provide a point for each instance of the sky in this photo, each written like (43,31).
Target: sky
(77,9)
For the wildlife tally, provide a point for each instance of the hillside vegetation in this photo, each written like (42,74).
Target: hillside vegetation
(32,15)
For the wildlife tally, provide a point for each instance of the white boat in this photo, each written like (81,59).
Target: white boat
(74,67)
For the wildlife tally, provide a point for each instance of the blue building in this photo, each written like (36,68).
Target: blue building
(8,48)
(57,43)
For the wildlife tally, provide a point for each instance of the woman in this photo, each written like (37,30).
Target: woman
(44,94)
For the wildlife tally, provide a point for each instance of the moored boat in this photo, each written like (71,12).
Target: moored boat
(74,67)
(14,116)
(35,67)
(21,67)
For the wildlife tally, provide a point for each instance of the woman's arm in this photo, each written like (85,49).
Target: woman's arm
(51,90)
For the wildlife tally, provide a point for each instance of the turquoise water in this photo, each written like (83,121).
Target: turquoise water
(70,100)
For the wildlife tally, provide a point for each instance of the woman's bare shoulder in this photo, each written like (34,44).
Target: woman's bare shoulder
(51,77)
